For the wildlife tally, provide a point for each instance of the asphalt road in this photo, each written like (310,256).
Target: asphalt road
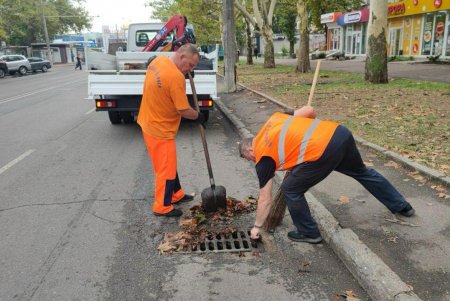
(76,222)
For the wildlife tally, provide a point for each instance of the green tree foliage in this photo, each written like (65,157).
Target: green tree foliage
(204,15)
(21,20)
(285,21)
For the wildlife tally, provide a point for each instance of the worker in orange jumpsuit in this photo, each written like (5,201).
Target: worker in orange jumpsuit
(310,149)
(164,102)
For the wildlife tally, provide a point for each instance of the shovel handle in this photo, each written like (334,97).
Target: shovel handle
(202,134)
(313,86)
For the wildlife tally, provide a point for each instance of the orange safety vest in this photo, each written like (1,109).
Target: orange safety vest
(291,140)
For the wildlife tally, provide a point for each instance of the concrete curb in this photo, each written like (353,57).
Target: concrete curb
(380,282)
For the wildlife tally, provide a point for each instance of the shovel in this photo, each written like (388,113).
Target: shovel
(213,197)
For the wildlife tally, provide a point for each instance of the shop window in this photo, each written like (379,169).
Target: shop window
(427,34)
(439,29)
(447,52)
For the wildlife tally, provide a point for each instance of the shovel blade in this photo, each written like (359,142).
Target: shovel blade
(213,199)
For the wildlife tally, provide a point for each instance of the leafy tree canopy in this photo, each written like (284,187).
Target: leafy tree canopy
(21,21)
(204,15)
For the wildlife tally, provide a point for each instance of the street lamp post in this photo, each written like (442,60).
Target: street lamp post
(44,22)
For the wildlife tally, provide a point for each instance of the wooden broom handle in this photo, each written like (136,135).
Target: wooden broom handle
(313,87)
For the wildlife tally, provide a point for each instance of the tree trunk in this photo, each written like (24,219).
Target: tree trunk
(292,49)
(249,43)
(229,46)
(376,70)
(303,63)
(269,57)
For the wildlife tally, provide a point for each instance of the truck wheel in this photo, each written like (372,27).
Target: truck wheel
(114,117)
(2,73)
(206,114)
(44,68)
(127,117)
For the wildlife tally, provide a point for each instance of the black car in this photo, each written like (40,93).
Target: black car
(38,63)
(3,69)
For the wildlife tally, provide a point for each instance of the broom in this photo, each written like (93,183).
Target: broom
(278,207)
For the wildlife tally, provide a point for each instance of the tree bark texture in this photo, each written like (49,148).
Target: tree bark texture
(303,63)
(229,45)
(376,70)
(249,43)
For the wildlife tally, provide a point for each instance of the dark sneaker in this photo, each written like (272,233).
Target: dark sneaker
(408,211)
(185,199)
(297,236)
(173,213)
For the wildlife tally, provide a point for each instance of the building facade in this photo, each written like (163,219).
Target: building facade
(418,28)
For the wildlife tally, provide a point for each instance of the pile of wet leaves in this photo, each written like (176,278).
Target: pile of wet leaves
(197,225)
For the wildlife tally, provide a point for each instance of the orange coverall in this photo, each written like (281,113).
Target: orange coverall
(164,94)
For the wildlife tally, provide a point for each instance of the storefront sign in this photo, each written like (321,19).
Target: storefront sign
(396,10)
(329,18)
(415,7)
(354,17)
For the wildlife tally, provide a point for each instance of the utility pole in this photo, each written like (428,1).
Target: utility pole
(229,45)
(44,22)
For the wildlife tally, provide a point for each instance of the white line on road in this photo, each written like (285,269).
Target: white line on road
(90,111)
(16,160)
(35,92)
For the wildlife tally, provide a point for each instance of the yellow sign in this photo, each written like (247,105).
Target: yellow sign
(416,7)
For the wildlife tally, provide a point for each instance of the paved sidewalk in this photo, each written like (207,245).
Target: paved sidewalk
(392,258)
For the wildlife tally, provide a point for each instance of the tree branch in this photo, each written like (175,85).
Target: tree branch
(244,11)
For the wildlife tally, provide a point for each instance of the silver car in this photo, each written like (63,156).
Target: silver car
(16,63)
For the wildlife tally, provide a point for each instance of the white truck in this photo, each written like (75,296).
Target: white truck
(115,82)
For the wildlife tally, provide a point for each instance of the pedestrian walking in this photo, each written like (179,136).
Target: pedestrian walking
(164,102)
(310,149)
(78,64)
(256,52)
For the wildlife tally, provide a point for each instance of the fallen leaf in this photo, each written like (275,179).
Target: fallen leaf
(391,164)
(367,163)
(344,199)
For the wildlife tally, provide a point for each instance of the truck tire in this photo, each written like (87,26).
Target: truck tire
(2,73)
(128,117)
(206,114)
(114,117)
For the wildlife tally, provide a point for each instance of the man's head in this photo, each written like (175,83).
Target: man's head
(246,149)
(186,58)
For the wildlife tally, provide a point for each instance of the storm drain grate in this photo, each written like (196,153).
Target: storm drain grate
(238,241)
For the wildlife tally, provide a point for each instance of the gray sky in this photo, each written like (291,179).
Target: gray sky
(114,13)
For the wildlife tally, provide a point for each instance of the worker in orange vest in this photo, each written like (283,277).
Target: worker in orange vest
(164,102)
(310,149)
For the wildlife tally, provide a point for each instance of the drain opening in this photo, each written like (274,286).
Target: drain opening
(238,241)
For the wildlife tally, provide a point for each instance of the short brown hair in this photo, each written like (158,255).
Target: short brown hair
(244,145)
(189,48)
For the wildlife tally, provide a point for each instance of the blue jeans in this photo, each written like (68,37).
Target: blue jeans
(340,155)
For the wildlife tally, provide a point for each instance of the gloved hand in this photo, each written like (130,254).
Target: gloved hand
(201,119)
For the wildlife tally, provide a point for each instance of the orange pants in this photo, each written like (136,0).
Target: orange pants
(163,154)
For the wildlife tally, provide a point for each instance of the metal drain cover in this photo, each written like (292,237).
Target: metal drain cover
(238,241)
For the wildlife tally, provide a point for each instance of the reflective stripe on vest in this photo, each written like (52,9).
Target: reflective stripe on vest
(303,144)
(305,140)
(282,139)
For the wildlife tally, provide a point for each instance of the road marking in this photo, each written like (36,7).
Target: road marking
(90,111)
(35,92)
(16,160)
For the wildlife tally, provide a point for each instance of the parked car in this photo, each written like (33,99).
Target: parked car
(16,63)
(38,63)
(3,69)
(278,36)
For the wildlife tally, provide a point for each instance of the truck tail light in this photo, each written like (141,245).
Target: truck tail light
(205,103)
(105,103)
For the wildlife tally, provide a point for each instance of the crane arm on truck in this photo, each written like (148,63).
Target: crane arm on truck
(183,35)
